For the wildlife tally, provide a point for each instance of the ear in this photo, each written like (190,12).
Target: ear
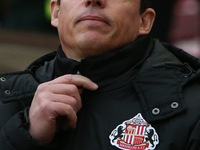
(147,20)
(54,9)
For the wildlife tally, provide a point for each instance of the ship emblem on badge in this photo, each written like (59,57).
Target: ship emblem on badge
(134,134)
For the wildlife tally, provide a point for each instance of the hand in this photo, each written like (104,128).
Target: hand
(56,104)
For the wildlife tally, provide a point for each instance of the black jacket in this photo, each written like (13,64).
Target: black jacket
(161,85)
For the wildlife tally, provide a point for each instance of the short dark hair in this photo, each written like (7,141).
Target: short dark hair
(144,4)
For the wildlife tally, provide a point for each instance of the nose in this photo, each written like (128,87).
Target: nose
(95,3)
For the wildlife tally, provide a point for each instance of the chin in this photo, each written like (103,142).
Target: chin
(92,41)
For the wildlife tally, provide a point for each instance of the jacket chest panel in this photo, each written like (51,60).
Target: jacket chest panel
(94,125)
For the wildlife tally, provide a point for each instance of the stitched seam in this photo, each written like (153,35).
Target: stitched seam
(10,99)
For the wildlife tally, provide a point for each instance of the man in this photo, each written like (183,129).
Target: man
(109,85)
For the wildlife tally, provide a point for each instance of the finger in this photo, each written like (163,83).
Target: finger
(78,80)
(66,91)
(75,103)
(60,109)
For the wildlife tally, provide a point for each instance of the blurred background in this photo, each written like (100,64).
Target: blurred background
(26,32)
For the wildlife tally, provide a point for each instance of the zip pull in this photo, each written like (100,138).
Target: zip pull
(78,73)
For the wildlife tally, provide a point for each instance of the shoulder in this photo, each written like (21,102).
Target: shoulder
(21,85)
(166,52)
(17,88)
(168,76)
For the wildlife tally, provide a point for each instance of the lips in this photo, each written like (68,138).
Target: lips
(93,18)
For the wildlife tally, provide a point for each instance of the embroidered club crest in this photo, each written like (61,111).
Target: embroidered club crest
(134,134)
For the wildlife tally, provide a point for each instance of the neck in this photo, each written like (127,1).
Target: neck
(73,55)
(79,54)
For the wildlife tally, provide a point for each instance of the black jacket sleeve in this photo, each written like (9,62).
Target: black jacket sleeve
(15,136)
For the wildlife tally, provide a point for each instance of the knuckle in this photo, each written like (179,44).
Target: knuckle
(45,105)
(69,109)
(42,87)
(73,101)
(74,89)
(41,95)
(68,77)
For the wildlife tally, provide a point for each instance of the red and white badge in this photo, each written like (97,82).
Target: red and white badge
(134,134)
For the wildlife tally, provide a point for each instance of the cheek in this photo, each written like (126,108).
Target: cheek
(66,16)
(127,27)
(127,18)
(65,27)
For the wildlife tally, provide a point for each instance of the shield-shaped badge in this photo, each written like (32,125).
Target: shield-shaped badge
(135,133)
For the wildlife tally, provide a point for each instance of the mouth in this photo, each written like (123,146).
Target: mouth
(93,18)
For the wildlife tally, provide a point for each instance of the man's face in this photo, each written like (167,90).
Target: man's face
(96,27)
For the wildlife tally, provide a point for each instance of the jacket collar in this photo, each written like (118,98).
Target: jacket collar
(104,69)
(161,68)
